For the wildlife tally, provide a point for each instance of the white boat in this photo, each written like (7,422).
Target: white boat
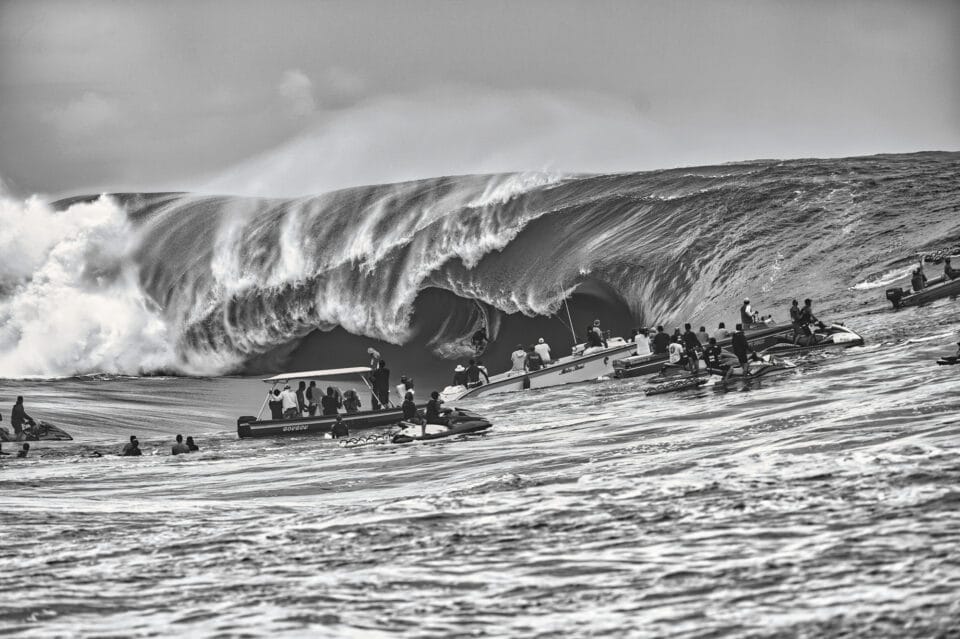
(582,365)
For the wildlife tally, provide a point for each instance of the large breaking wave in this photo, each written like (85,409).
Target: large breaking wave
(137,283)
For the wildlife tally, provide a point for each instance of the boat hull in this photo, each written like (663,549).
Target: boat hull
(567,370)
(901,298)
(250,427)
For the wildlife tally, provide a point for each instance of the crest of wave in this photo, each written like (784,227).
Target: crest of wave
(69,298)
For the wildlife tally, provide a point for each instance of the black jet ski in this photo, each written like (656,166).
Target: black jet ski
(948,361)
(40,431)
(760,366)
(835,335)
(459,422)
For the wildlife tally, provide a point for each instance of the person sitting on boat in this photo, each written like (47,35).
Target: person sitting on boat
(712,355)
(746,313)
(288,400)
(702,336)
(479,340)
(330,403)
(302,397)
(434,414)
(806,319)
(192,445)
(275,403)
(722,332)
(410,412)
(179,447)
(642,342)
(380,383)
(518,359)
(949,273)
(661,342)
(675,351)
(741,348)
(594,338)
(543,349)
(919,281)
(339,428)
(534,361)
(351,401)
(132,449)
(596,329)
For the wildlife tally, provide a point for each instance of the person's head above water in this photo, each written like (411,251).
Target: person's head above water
(722,325)
(808,302)
(179,439)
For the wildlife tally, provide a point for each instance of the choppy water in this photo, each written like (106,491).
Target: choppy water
(824,502)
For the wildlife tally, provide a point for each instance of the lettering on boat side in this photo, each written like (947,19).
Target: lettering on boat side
(295,427)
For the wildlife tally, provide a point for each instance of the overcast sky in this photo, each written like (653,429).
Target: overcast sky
(283,98)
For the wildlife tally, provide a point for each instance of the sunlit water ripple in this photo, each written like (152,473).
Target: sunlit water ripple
(823,502)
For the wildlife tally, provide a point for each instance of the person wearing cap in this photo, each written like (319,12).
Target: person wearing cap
(459,376)
(288,403)
(596,329)
(518,358)
(543,350)
(746,313)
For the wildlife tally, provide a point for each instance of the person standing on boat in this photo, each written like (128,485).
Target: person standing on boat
(288,400)
(543,349)
(642,342)
(351,401)
(275,402)
(806,319)
(703,336)
(380,381)
(691,345)
(302,398)
(313,398)
(741,348)
(661,342)
(722,332)
(19,417)
(406,384)
(330,402)
(474,371)
(746,313)
(518,360)
(919,280)
(374,359)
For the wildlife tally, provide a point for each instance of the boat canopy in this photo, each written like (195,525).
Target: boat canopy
(329,372)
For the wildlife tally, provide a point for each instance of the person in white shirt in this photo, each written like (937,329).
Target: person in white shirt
(676,351)
(642,342)
(722,332)
(289,403)
(543,350)
(519,360)
(702,336)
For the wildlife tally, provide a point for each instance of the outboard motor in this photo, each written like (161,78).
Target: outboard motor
(895,295)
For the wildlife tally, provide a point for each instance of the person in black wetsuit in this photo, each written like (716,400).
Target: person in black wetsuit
(691,345)
(479,340)
(806,319)
(711,355)
(192,445)
(132,449)
(302,397)
(534,361)
(661,342)
(741,348)
(473,374)
(19,417)
(434,416)
(339,428)
(380,381)
(410,413)
(330,403)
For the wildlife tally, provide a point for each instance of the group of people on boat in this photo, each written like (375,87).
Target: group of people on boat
(918,279)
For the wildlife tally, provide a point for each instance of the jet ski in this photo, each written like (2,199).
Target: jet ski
(459,422)
(835,335)
(760,366)
(948,361)
(39,431)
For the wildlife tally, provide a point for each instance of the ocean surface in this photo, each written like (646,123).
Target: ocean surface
(824,501)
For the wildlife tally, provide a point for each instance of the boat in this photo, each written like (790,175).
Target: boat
(766,365)
(934,290)
(836,335)
(39,431)
(759,336)
(584,364)
(253,426)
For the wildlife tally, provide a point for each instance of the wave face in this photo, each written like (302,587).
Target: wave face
(211,285)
